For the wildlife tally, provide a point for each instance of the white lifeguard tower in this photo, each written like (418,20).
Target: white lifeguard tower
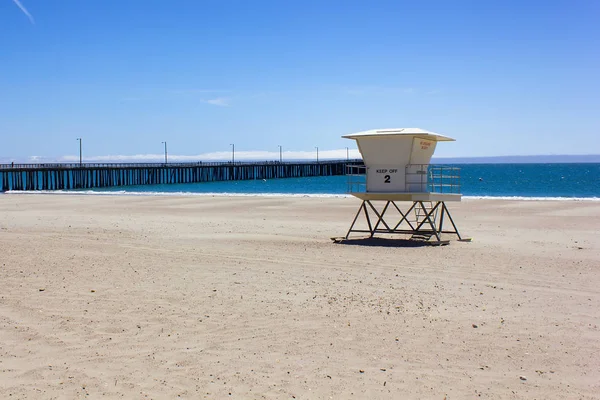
(397,169)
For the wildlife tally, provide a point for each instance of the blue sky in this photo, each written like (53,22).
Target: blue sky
(502,77)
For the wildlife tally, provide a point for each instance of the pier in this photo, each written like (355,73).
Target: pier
(32,177)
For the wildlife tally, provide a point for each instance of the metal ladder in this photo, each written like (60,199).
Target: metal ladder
(420,215)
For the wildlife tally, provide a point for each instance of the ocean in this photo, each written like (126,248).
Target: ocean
(519,181)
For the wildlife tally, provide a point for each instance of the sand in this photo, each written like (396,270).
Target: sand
(247,297)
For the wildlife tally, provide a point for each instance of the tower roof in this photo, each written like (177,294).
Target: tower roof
(416,132)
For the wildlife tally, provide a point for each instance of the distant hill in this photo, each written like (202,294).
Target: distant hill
(549,159)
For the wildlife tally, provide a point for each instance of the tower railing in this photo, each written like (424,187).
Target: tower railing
(356,178)
(418,178)
(434,178)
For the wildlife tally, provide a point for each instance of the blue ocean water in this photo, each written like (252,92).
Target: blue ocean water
(580,181)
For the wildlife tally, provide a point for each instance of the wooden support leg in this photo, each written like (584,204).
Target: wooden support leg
(380,217)
(451,221)
(367,215)
(441,226)
(355,218)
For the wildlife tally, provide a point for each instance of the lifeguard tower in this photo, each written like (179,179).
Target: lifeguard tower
(397,169)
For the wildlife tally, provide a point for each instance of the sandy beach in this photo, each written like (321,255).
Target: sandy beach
(248,298)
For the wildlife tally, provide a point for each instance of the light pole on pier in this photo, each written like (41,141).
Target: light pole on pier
(347,154)
(165,143)
(280,156)
(232,152)
(317,147)
(80,152)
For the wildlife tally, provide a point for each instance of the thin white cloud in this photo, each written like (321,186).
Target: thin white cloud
(218,101)
(18,3)
(225,97)
(337,154)
(215,156)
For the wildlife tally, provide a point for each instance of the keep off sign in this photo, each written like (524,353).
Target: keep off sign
(387,174)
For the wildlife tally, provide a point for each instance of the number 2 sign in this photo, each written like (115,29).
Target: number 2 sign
(384,179)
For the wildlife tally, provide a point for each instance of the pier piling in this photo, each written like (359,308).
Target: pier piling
(35,177)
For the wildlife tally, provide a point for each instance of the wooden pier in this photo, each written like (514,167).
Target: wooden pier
(33,177)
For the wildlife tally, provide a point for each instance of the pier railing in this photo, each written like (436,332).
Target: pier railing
(161,164)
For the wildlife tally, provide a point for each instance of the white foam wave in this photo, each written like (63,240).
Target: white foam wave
(211,194)
(531,198)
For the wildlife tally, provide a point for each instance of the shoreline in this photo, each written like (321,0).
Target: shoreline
(124,193)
